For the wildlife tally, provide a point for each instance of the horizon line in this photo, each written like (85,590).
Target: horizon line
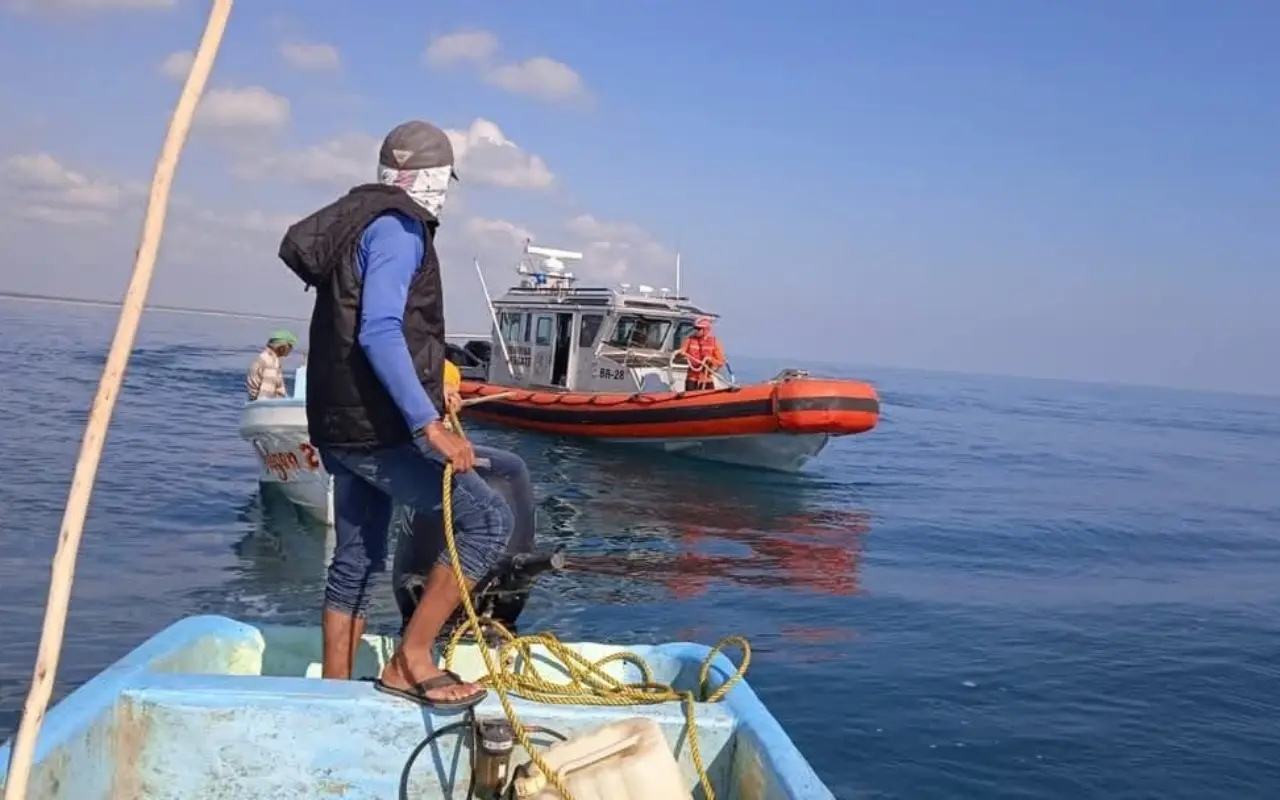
(164,309)
(210,312)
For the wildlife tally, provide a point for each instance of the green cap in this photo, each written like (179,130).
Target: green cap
(282,336)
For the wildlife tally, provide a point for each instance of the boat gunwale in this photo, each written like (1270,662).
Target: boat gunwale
(142,668)
(753,410)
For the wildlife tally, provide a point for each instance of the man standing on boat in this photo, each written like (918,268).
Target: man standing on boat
(265,378)
(701,349)
(375,402)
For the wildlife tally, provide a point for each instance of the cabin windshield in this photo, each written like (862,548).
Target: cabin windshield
(639,333)
(589,329)
(510,325)
(683,329)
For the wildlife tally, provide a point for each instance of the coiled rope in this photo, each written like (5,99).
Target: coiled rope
(588,682)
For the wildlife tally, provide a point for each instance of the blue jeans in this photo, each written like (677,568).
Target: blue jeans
(366,486)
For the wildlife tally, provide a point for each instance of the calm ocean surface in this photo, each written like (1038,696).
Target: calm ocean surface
(1009,589)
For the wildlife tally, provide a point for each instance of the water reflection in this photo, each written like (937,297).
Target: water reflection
(682,524)
(283,546)
(280,566)
(638,528)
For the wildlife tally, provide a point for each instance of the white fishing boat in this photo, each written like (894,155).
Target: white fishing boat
(606,363)
(288,462)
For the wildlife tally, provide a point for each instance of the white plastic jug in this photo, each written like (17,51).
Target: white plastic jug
(624,760)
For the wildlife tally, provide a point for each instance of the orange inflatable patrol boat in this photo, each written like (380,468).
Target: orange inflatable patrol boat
(607,364)
(779,424)
(789,406)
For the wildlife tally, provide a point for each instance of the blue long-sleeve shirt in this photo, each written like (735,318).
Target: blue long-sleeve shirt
(390,251)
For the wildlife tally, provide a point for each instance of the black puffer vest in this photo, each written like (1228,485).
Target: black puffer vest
(347,406)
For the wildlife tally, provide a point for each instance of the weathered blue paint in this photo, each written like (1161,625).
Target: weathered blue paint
(215,708)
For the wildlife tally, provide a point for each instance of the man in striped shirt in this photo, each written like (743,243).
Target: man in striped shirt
(265,378)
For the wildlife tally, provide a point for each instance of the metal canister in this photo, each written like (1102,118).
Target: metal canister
(495,739)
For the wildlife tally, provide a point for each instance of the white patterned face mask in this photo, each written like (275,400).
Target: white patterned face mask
(427,187)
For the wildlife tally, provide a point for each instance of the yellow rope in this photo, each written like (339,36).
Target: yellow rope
(589,683)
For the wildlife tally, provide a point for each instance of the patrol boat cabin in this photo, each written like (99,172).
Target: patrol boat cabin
(606,364)
(553,335)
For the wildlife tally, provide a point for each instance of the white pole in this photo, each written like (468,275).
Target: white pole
(677,273)
(493,315)
(95,434)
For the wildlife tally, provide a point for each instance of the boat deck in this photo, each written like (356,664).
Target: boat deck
(215,708)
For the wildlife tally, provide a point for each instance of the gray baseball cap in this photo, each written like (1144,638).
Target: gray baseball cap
(416,145)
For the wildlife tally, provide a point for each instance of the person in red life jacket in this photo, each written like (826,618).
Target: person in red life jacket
(703,353)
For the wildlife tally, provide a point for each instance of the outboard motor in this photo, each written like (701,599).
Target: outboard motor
(482,350)
(502,593)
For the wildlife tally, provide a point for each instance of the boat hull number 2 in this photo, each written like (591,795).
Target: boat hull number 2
(284,463)
(612,374)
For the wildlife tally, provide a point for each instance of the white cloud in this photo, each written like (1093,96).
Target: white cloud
(611,249)
(177,65)
(250,107)
(196,235)
(63,6)
(614,249)
(475,46)
(40,187)
(494,242)
(497,231)
(313,56)
(541,76)
(347,159)
(496,245)
(255,221)
(210,252)
(208,255)
(484,154)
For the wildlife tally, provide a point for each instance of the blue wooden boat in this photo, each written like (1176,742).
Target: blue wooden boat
(215,708)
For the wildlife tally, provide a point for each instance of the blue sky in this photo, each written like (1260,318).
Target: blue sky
(1087,190)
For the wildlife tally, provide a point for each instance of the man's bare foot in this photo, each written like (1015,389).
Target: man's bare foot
(398,675)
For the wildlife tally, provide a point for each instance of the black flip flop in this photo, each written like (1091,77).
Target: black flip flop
(418,693)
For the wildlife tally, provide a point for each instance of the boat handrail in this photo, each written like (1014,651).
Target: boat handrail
(627,366)
(22,752)
(789,374)
(715,373)
(633,356)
